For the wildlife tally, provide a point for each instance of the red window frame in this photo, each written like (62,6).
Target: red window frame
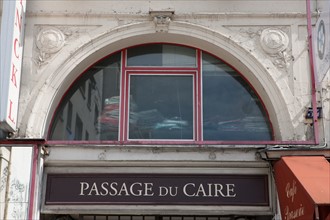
(127,71)
(196,71)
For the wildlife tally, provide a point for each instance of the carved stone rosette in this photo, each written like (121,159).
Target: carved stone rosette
(274,40)
(275,43)
(49,40)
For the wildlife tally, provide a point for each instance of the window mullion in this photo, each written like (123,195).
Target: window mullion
(198,98)
(123,90)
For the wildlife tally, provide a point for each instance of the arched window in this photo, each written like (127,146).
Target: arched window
(161,92)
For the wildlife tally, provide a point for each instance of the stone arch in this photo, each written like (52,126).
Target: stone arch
(73,59)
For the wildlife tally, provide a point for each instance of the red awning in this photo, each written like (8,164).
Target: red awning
(303,186)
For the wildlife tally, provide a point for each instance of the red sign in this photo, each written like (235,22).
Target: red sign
(294,202)
(302,185)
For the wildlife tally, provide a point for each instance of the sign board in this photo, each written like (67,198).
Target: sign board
(11,47)
(309,113)
(303,187)
(157,189)
(321,36)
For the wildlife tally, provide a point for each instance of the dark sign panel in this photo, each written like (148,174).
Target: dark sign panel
(157,189)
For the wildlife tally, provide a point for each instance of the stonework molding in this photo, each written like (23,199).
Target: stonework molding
(91,47)
(17,196)
(162,20)
(274,40)
(162,23)
(275,43)
(49,40)
(4,178)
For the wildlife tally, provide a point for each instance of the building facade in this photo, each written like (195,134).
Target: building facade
(175,110)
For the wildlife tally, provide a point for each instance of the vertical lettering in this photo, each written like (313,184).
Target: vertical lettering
(10,116)
(16,45)
(13,75)
(14,52)
(18,20)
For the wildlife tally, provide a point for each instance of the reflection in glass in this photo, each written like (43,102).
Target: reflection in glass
(161,102)
(161,55)
(161,107)
(231,110)
(98,88)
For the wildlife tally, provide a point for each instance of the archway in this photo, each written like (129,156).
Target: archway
(73,59)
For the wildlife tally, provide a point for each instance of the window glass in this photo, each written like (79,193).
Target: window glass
(231,110)
(176,103)
(161,55)
(69,116)
(103,81)
(161,107)
(79,128)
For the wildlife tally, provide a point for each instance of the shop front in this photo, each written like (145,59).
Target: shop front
(179,192)
(163,110)
(132,137)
